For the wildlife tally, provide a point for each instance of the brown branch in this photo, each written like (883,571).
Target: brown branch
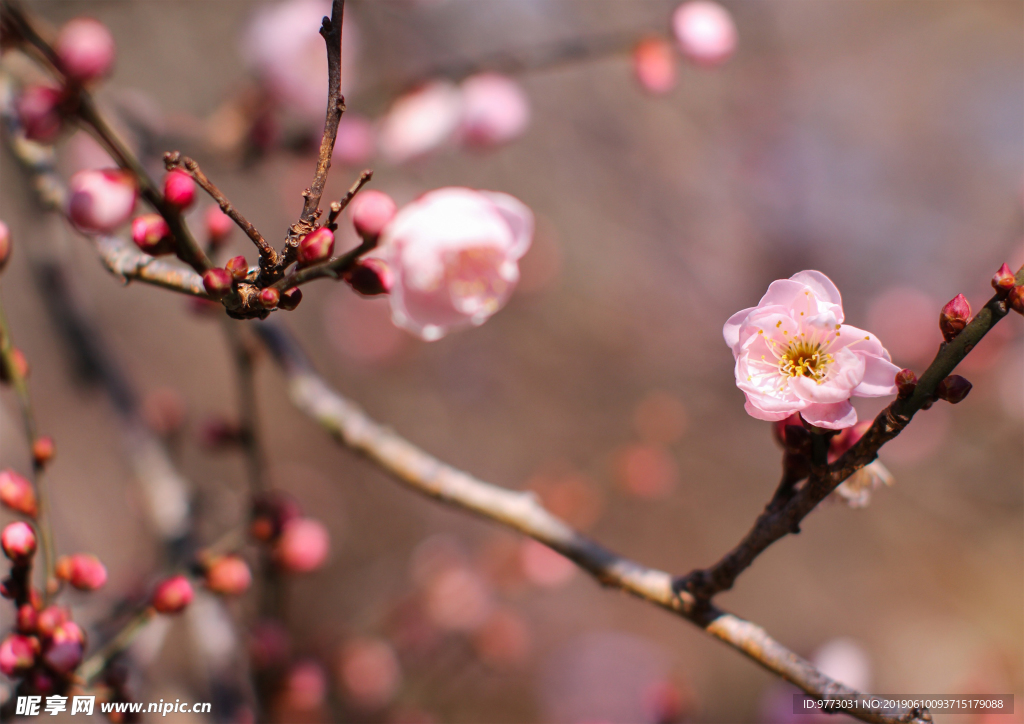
(522,512)
(776,522)
(130,264)
(338,206)
(332,269)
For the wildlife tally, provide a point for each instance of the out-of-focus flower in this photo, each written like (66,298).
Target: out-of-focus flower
(85,49)
(303,545)
(18,541)
(84,571)
(504,640)
(371,211)
(369,672)
(43,450)
(179,189)
(218,226)
(844,660)
(495,110)
(39,113)
(458,599)
(305,687)
(356,141)
(172,595)
(569,495)
(905,318)
(63,652)
(99,201)
(454,254)
(17,494)
(856,490)
(17,654)
(543,566)
(704,31)
(228,575)
(646,470)
(794,354)
(420,121)
(654,64)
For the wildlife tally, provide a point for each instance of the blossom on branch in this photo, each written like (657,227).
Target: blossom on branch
(99,201)
(794,354)
(454,255)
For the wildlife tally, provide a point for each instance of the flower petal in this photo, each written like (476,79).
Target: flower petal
(760,414)
(834,416)
(519,218)
(731,330)
(879,377)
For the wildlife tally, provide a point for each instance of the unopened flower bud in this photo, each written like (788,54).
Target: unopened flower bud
(85,49)
(39,112)
(218,282)
(218,226)
(269,297)
(238,267)
(1003,280)
(953,389)
(84,571)
(1016,299)
(906,383)
(18,655)
(371,212)
(5,245)
(654,65)
(18,366)
(954,317)
(43,450)
(50,619)
(27,616)
(370,277)
(19,542)
(152,234)
(315,247)
(303,545)
(228,575)
(17,494)
(172,595)
(63,652)
(270,513)
(290,299)
(100,201)
(179,189)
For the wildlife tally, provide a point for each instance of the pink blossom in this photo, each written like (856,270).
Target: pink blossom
(705,32)
(100,201)
(371,212)
(85,48)
(420,121)
(39,112)
(454,253)
(654,63)
(356,141)
(794,354)
(303,545)
(17,654)
(495,110)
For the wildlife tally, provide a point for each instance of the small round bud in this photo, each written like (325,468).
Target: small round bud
(179,189)
(63,652)
(218,226)
(5,245)
(100,201)
(17,494)
(270,513)
(152,234)
(18,655)
(654,64)
(906,383)
(218,282)
(371,212)
(172,595)
(238,267)
(19,542)
(290,299)
(85,49)
(370,277)
(303,545)
(19,368)
(269,297)
(1003,280)
(228,575)
(83,571)
(39,112)
(27,616)
(1016,299)
(954,317)
(953,389)
(50,619)
(43,450)
(705,32)
(315,247)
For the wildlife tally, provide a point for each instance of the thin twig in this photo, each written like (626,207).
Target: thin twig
(248,413)
(332,269)
(96,663)
(522,512)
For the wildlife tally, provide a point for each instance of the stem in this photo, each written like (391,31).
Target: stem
(248,412)
(96,663)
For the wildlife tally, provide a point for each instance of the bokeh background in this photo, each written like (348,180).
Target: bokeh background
(879,142)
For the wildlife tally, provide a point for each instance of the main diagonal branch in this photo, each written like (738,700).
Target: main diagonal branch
(522,512)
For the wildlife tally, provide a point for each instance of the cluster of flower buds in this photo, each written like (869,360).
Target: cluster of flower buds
(1005,284)
(371,211)
(298,544)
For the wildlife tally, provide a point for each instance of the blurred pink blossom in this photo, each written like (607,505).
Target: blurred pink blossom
(454,254)
(39,113)
(100,201)
(420,121)
(356,141)
(458,599)
(794,354)
(504,640)
(543,566)
(906,318)
(646,470)
(705,32)
(495,110)
(85,48)
(303,545)
(654,63)
(369,672)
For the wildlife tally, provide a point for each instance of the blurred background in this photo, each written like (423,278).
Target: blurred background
(881,143)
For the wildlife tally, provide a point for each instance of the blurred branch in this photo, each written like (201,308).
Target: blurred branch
(130,264)
(522,512)
(776,522)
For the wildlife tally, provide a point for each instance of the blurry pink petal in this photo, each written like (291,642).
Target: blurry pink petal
(543,566)
(420,121)
(85,48)
(356,141)
(101,201)
(654,64)
(495,110)
(705,32)
(369,672)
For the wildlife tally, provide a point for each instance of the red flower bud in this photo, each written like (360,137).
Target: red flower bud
(954,317)
(1003,280)
(18,363)
(5,245)
(371,212)
(179,189)
(238,267)
(270,513)
(172,595)
(370,277)
(270,297)
(85,49)
(290,299)
(63,652)
(152,234)
(17,493)
(218,282)
(218,226)
(953,389)
(18,655)
(43,450)
(906,383)
(50,619)
(19,542)
(84,571)
(39,112)
(228,575)
(303,545)
(315,247)
(27,616)
(1016,299)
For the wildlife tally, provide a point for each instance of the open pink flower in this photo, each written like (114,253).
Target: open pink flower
(454,253)
(794,354)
